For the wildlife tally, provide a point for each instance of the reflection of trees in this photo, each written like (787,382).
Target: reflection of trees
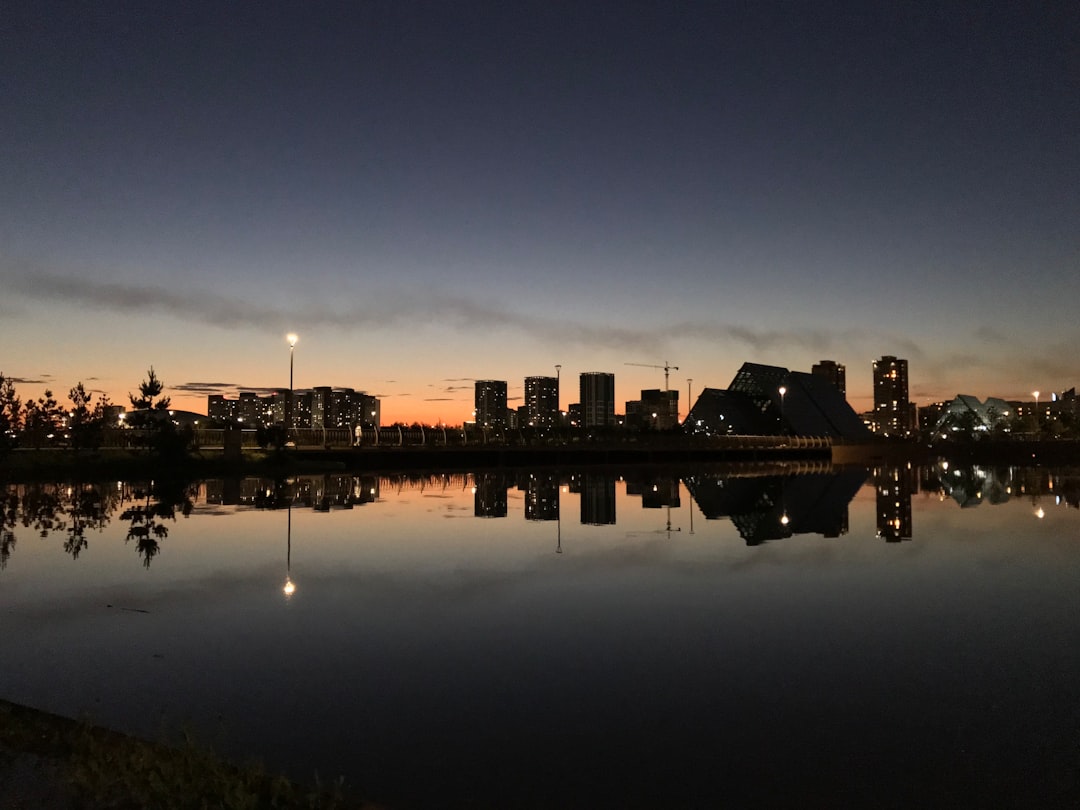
(89,509)
(47,508)
(7,528)
(151,506)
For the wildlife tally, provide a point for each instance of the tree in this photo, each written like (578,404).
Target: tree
(10,413)
(150,388)
(86,423)
(41,419)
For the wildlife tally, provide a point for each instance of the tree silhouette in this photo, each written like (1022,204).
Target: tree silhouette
(86,423)
(41,419)
(10,413)
(149,389)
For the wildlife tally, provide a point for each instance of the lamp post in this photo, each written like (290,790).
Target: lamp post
(557,419)
(1036,395)
(783,391)
(292,338)
(689,395)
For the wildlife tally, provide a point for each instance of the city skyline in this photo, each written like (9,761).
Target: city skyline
(430,196)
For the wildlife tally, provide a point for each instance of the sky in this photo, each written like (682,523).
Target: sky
(430,193)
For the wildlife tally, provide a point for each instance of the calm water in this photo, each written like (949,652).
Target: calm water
(883,637)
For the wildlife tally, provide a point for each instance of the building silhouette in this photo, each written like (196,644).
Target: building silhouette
(319,407)
(597,399)
(658,410)
(490,404)
(892,408)
(541,402)
(832,371)
(770,400)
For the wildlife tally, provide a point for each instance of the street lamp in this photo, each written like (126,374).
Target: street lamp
(558,390)
(292,338)
(783,391)
(689,395)
(1036,395)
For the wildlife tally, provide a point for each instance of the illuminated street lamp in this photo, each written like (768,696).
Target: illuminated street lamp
(292,337)
(1036,395)
(783,391)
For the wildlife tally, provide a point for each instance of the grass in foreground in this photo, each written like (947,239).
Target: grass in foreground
(105,769)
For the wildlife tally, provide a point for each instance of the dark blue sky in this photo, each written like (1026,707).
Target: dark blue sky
(434,190)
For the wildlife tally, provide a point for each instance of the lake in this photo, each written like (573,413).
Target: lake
(692,638)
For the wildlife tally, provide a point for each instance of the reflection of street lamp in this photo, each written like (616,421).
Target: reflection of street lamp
(292,338)
(289,588)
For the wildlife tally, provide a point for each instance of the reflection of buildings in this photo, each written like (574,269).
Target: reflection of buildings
(970,485)
(894,487)
(773,507)
(541,496)
(655,492)
(597,499)
(321,492)
(489,495)
(892,409)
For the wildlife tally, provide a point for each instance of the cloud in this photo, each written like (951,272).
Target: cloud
(389,310)
(441,399)
(206,387)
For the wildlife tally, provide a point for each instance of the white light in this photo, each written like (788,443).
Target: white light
(292,337)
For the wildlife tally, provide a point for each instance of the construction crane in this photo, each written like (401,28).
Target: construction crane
(668,368)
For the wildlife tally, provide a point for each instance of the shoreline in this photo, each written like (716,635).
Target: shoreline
(23,464)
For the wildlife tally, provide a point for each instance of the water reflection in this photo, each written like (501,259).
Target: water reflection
(681,667)
(772,507)
(764,503)
(893,488)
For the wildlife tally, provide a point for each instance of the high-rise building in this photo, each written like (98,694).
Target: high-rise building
(832,371)
(892,409)
(219,409)
(660,408)
(367,409)
(490,403)
(541,402)
(597,399)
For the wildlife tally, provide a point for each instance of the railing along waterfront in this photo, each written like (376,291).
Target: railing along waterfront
(434,437)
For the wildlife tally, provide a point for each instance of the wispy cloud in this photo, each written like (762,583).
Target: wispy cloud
(936,364)
(393,309)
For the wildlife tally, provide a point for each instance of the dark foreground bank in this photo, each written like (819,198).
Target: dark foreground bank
(48,761)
